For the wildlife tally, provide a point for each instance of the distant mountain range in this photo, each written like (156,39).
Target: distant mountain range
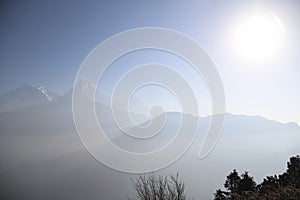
(34,106)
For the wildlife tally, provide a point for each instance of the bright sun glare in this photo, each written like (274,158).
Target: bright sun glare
(258,37)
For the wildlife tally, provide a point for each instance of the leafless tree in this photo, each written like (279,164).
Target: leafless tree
(159,188)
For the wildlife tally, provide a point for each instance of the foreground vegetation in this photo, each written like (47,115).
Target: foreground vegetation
(283,187)
(237,187)
(159,188)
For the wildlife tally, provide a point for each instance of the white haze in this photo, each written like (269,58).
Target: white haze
(42,157)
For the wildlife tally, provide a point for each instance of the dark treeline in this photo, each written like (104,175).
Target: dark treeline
(283,187)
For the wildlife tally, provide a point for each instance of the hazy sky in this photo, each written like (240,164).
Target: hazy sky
(44,43)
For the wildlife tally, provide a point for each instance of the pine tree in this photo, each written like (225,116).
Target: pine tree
(293,171)
(220,195)
(232,182)
(246,183)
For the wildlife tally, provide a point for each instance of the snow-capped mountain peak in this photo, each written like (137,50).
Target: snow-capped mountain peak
(45,92)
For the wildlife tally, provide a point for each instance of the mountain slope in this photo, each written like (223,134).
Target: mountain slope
(25,96)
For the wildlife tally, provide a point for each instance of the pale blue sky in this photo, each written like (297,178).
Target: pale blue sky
(44,43)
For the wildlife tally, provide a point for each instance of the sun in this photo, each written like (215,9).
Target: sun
(259,36)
